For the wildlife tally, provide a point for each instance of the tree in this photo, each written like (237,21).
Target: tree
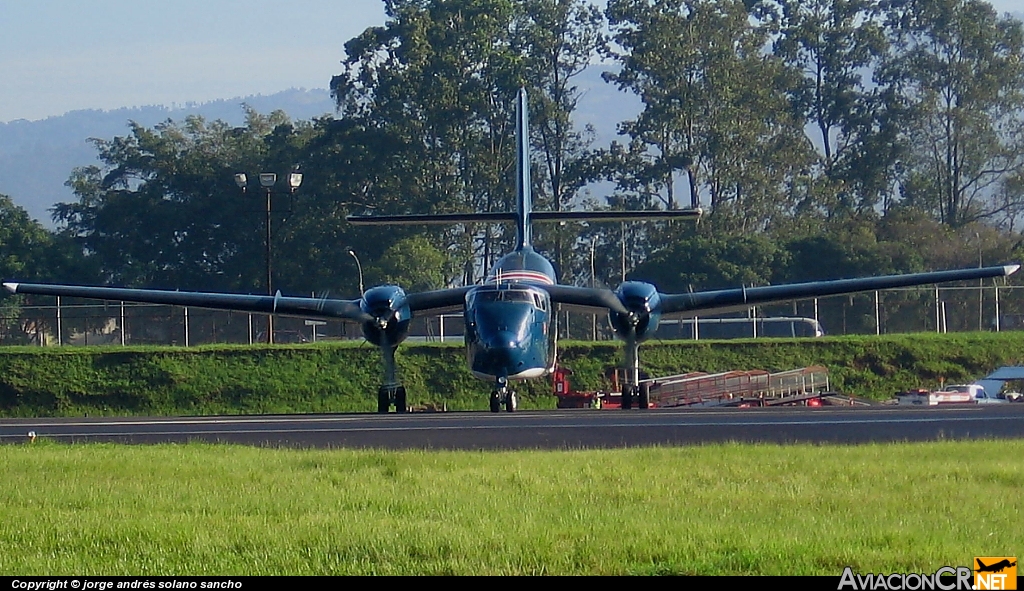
(163,210)
(30,252)
(710,262)
(955,69)
(414,263)
(832,42)
(557,40)
(714,107)
(440,77)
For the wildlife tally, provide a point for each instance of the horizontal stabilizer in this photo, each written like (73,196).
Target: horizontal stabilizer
(536,216)
(615,216)
(431,218)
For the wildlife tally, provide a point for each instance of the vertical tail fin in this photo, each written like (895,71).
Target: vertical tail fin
(524,198)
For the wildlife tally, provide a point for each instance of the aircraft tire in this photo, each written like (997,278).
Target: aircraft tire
(644,397)
(383,400)
(627,397)
(495,402)
(511,402)
(400,400)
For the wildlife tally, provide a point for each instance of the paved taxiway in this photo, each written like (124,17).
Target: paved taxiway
(545,429)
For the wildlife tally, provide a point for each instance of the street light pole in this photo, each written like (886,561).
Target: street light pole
(359,268)
(981,289)
(593,278)
(267,181)
(270,273)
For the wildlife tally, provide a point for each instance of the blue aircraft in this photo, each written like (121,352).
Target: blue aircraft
(509,318)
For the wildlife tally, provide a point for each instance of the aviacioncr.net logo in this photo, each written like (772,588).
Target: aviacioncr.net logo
(995,572)
(946,578)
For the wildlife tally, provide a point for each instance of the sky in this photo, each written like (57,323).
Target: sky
(63,55)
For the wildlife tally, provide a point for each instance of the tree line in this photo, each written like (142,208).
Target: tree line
(823,138)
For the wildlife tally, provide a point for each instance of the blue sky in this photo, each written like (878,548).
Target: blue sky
(62,55)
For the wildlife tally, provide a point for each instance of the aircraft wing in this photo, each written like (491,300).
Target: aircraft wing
(585,299)
(589,299)
(441,301)
(286,306)
(729,300)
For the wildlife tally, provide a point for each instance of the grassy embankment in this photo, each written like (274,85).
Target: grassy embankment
(343,377)
(717,509)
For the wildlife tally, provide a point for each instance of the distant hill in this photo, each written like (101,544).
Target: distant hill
(37,157)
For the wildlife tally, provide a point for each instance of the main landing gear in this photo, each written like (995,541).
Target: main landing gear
(388,395)
(640,394)
(390,392)
(503,395)
(633,390)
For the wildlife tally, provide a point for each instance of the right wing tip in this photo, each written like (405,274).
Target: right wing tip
(11,287)
(1010,269)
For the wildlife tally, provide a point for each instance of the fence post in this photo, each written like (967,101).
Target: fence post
(60,338)
(878,325)
(996,287)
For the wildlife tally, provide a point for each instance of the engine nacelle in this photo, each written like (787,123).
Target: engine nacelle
(644,311)
(388,306)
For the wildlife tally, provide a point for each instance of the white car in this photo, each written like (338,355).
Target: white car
(977,393)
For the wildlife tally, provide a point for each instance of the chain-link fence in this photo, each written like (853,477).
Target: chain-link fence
(41,321)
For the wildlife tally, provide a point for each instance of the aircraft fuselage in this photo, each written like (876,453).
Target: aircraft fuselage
(508,320)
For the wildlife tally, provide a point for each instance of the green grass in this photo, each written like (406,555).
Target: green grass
(343,377)
(717,509)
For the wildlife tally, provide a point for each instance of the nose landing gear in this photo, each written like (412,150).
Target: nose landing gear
(503,395)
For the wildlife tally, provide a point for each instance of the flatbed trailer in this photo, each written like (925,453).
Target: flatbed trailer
(804,386)
(753,388)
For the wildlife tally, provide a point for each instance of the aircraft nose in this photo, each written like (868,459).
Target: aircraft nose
(503,339)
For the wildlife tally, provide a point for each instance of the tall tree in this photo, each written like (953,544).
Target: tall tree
(832,43)
(163,210)
(441,76)
(30,252)
(715,107)
(956,70)
(558,39)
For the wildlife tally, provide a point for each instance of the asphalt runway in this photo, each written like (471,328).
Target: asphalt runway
(562,429)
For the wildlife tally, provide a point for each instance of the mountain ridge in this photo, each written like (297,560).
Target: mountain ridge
(37,157)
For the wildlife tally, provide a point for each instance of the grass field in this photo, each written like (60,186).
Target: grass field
(716,509)
(344,377)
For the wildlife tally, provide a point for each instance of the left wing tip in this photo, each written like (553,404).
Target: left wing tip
(1010,269)
(11,287)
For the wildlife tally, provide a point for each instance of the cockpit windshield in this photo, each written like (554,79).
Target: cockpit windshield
(505,295)
(524,296)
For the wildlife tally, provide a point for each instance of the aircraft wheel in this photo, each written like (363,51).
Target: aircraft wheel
(495,402)
(383,400)
(400,399)
(644,397)
(627,397)
(511,402)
